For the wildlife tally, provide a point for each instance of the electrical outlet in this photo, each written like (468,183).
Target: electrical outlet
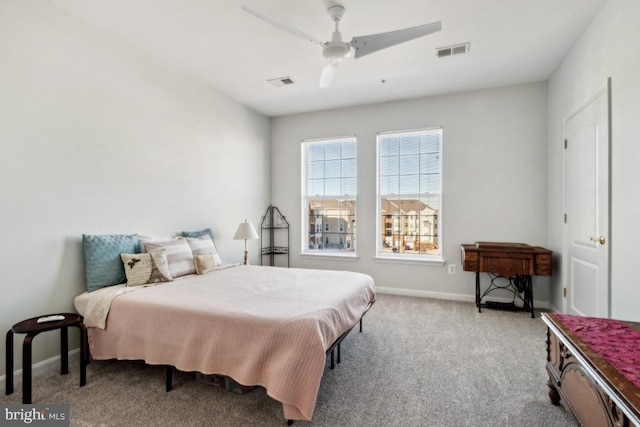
(452,269)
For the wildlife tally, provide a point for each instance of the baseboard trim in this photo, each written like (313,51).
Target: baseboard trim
(554,309)
(448,296)
(39,368)
(425,294)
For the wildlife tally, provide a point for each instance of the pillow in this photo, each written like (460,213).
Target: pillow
(204,245)
(179,256)
(206,231)
(143,239)
(102,264)
(205,263)
(142,269)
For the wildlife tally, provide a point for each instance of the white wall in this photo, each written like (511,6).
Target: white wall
(606,49)
(494,178)
(97,138)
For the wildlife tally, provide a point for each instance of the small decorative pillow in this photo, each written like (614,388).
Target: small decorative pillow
(205,263)
(204,245)
(142,269)
(179,256)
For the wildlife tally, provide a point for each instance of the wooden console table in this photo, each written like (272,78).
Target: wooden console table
(516,262)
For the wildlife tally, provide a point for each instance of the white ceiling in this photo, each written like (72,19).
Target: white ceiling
(215,41)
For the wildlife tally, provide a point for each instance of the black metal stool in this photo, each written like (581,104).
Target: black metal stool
(31,327)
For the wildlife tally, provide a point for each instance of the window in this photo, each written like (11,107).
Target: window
(329,188)
(410,192)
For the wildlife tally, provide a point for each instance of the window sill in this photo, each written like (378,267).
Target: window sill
(334,256)
(409,260)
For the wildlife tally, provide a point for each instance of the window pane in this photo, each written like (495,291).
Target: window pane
(332,168)
(389,165)
(410,144)
(315,187)
(315,170)
(332,187)
(409,165)
(349,150)
(389,185)
(430,183)
(432,202)
(409,184)
(389,146)
(332,150)
(430,142)
(349,186)
(389,207)
(315,152)
(430,163)
(349,168)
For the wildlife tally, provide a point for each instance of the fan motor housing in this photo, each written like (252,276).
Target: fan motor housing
(336,50)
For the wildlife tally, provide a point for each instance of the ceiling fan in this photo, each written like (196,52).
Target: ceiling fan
(336,49)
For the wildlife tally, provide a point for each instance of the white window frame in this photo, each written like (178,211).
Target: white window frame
(343,243)
(410,256)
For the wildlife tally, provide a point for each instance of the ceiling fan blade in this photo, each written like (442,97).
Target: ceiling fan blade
(328,73)
(282,25)
(365,45)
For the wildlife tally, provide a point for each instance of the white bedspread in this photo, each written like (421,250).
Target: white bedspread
(94,306)
(259,325)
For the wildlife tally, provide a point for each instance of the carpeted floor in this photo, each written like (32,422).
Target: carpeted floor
(418,362)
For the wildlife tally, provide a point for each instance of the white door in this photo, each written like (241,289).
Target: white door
(586,264)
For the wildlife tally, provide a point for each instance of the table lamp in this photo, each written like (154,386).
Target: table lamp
(245,232)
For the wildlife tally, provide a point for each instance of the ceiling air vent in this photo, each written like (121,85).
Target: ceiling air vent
(457,49)
(281,81)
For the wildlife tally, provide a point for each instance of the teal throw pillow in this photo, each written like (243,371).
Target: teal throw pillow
(102,263)
(206,231)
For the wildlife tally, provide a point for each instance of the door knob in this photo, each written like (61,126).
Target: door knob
(600,240)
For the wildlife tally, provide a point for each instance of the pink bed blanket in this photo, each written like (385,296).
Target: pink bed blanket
(262,326)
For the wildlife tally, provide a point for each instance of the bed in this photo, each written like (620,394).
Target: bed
(263,326)
(594,368)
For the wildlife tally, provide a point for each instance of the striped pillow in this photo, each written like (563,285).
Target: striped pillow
(204,245)
(142,239)
(179,256)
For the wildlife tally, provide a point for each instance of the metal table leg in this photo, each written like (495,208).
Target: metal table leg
(478,292)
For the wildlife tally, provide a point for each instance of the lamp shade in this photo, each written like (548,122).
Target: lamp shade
(245,231)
